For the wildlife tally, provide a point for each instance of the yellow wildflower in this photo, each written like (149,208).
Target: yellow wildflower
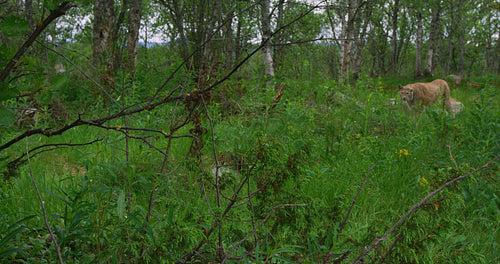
(402,152)
(423,182)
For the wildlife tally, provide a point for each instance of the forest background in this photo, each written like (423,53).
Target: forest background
(192,131)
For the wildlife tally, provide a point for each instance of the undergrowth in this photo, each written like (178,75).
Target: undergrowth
(293,169)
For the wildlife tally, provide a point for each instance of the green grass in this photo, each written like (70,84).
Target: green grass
(314,148)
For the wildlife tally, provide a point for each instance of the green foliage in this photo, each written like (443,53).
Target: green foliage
(289,170)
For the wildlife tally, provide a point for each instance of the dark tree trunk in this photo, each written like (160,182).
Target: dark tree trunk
(394,52)
(418,57)
(364,20)
(460,37)
(433,40)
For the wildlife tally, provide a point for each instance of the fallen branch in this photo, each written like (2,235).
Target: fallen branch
(414,208)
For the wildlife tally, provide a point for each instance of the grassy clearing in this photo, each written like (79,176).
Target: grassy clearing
(314,148)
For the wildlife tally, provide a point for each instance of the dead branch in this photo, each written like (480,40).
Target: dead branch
(278,95)
(415,207)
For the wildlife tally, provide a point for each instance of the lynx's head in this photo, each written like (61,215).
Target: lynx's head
(406,93)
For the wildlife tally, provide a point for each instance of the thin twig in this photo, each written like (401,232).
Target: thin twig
(415,207)
(15,163)
(354,200)
(217,184)
(43,207)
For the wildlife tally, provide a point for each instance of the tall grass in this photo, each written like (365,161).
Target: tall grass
(314,148)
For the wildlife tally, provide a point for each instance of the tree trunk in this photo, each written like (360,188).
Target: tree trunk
(418,57)
(228,40)
(460,37)
(360,42)
(278,49)
(134,24)
(497,53)
(238,42)
(394,51)
(347,41)
(266,34)
(451,35)
(433,40)
(104,23)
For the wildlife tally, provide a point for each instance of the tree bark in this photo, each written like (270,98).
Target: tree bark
(134,24)
(347,41)
(460,37)
(418,57)
(104,23)
(497,53)
(278,38)
(360,42)
(433,40)
(394,51)
(266,35)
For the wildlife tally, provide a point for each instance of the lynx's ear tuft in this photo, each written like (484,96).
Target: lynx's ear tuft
(400,86)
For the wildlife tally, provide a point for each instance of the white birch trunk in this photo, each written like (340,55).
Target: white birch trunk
(266,35)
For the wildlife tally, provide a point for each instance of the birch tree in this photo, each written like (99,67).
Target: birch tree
(134,24)
(418,55)
(433,47)
(266,39)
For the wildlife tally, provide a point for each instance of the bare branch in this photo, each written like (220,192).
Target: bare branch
(15,163)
